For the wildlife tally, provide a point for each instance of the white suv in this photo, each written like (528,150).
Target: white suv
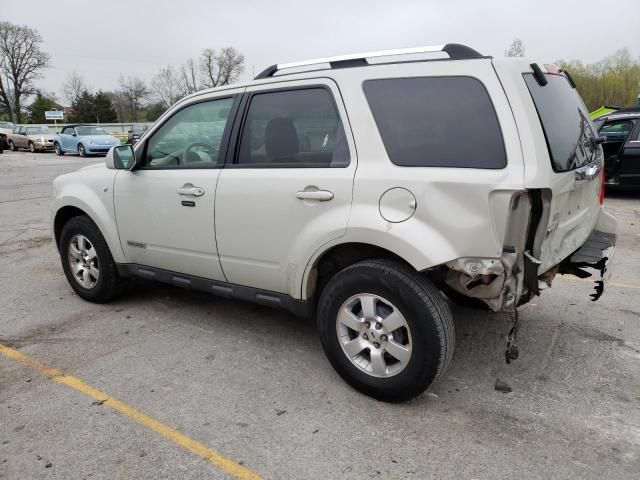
(360,190)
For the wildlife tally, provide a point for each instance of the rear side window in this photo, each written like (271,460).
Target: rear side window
(565,121)
(293,129)
(437,122)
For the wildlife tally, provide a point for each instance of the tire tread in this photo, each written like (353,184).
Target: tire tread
(418,289)
(110,282)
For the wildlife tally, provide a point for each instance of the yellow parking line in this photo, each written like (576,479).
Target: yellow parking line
(213,457)
(608,284)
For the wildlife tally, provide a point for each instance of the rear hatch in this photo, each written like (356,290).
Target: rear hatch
(563,162)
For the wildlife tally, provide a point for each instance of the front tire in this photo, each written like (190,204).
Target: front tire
(56,147)
(385,329)
(81,150)
(12,146)
(32,147)
(87,261)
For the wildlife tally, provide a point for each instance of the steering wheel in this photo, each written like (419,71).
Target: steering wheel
(191,157)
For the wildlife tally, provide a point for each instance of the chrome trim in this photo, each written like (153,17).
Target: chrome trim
(588,172)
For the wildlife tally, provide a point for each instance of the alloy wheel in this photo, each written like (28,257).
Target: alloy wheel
(374,335)
(83,261)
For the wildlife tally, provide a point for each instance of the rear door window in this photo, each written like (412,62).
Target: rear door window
(298,128)
(565,120)
(437,122)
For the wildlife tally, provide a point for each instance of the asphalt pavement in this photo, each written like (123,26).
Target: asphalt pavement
(168,383)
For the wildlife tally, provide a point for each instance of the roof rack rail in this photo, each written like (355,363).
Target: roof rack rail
(454,50)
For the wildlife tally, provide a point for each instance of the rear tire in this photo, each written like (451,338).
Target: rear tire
(58,150)
(82,244)
(410,328)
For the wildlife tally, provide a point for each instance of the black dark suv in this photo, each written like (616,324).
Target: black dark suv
(622,147)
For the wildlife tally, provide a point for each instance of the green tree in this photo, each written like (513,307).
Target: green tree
(84,108)
(155,110)
(104,110)
(615,80)
(43,102)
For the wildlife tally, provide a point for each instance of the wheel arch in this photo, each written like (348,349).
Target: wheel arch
(417,245)
(64,209)
(62,216)
(336,257)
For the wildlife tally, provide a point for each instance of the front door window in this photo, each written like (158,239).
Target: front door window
(191,138)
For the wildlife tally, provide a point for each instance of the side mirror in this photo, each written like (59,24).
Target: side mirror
(121,157)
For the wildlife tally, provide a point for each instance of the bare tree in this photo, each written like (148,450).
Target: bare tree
(73,86)
(516,49)
(190,77)
(166,86)
(21,62)
(135,91)
(120,105)
(221,68)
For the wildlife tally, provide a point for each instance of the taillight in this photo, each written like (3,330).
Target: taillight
(602,187)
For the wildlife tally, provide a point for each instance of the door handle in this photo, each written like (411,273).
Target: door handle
(320,195)
(188,189)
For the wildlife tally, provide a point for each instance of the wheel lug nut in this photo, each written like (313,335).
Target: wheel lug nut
(367,324)
(378,325)
(376,344)
(383,338)
(365,336)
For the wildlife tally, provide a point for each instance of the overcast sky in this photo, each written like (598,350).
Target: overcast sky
(103,39)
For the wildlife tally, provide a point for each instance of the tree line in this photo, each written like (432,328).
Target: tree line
(23,62)
(614,80)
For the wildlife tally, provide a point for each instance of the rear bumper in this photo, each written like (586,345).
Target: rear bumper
(596,253)
(599,246)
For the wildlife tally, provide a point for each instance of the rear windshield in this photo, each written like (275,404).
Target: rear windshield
(437,122)
(565,121)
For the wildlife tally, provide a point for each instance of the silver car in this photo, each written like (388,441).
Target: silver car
(35,138)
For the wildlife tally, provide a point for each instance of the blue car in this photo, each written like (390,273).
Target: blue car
(84,140)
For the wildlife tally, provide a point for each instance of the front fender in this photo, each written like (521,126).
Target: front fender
(97,202)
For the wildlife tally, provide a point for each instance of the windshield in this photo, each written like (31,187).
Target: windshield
(568,130)
(91,131)
(38,130)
